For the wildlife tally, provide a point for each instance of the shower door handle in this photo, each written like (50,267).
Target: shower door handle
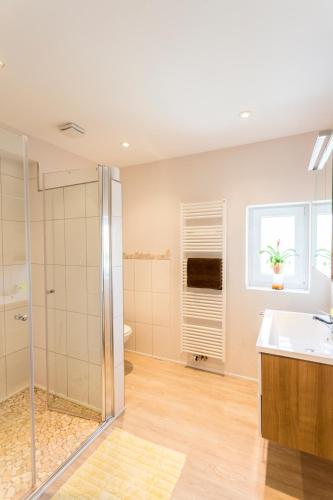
(21,317)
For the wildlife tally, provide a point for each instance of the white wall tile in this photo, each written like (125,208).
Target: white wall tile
(61,374)
(38,285)
(76,288)
(33,169)
(93,304)
(93,279)
(51,370)
(118,340)
(144,338)
(17,365)
(12,186)
(93,288)
(38,314)
(1,243)
(78,384)
(116,199)
(12,167)
(75,203)
(77,336)
(55,242)
(129,306)
(58,373)
(160,275)
(119,393)
(117,291)
(40,367)
(12,209)
(57,331)
(75,235)
(94,340)
(92,205)
(116,242)
(15,278)
(54,204)
(37,242)
(161,309)
(56,280)
(16,332)
(130,344)
(142,275)
(128,267)
(13,242)
(2,379)
(93,241)
(2,334)
(143,307)
(164,343)
(36,201)
(95,386)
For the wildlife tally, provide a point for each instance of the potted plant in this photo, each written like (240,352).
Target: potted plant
(324,257)
(324,254)
(277,259)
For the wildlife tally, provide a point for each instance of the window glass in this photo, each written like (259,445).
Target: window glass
(287,224)
(322,236)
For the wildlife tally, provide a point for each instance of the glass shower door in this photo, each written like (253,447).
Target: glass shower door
(16,393)
(72,282)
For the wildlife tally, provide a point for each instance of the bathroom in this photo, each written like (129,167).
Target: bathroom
(166,257)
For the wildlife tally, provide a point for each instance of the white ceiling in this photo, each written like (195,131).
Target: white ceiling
(168,76)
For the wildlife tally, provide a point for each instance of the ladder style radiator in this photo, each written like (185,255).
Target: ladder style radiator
(203,234)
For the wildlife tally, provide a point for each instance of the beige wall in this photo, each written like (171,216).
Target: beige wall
(51,158)
(268,172)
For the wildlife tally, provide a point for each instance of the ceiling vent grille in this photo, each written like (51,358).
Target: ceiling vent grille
(72,129)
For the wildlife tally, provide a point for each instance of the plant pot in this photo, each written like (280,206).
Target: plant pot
(278,278)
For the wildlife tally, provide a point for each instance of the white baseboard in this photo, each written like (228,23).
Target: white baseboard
(244,377)
(184,363)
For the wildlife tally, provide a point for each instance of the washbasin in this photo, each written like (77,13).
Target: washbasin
(295,335)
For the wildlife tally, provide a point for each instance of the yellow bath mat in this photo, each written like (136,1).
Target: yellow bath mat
(125,467)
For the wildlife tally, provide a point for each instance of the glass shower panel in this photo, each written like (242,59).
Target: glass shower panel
(66,305)
(16,428)
(72,282)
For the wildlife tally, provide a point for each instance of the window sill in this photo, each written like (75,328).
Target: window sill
(285,290)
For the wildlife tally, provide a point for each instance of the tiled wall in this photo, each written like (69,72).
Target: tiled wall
(72,247)
(147,306)
(70,253)
(14,356)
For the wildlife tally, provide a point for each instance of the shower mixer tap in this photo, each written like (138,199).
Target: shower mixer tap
(21,317)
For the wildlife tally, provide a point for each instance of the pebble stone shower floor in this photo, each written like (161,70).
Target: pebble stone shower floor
(58,435)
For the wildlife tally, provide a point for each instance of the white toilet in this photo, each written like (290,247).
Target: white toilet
(127,332)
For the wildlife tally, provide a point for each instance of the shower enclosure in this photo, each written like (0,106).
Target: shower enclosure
(61,316)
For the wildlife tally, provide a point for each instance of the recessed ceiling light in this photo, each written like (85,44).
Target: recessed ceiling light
(125,144)
(2,64)
(245,114)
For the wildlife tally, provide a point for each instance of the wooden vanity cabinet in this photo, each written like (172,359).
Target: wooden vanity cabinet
(297,404)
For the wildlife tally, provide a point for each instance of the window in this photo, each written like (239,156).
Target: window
(288,223)
(322,236)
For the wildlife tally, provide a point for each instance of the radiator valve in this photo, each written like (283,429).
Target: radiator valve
(199,357)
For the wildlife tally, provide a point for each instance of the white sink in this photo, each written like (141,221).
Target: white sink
(295,335)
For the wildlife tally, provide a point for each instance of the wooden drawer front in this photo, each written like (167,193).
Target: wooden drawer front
(297,404)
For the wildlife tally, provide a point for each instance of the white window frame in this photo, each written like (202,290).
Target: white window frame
(318,208)
(302,213)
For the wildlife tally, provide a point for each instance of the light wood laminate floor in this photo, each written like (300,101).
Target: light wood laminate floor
(213,420)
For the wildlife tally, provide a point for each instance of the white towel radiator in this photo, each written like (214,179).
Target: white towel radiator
(203,234)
